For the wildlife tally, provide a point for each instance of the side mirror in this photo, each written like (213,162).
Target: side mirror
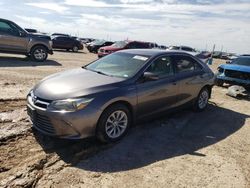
(22,34)
(149,76)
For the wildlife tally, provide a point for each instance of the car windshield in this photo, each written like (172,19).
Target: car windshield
(242,61)
(119,64)
(120,44)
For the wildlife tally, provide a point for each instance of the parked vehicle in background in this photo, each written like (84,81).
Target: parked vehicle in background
(183,48)
(237,72)
(14,39)
(217,54)
(60,34)
(104,98)
(31,30)
(121,45)
(86,40)
(232,56)
(94,46)
(67,43)
(204,56)
(163,47)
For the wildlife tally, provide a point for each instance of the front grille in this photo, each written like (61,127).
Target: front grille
(237,74)
(41,122)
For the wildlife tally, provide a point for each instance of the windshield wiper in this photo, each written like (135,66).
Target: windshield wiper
(100,72)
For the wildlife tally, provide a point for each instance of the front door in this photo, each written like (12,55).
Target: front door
(10,39)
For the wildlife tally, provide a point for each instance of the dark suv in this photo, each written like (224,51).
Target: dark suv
(67,43)
(14,39)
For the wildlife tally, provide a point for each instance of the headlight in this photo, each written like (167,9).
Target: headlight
(220,70)
(69,105)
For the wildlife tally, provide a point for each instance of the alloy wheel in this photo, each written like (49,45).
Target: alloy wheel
(116,124)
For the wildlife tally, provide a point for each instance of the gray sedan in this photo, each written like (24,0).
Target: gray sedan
(107,96)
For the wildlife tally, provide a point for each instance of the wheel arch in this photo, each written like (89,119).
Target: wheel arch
(36,45)
(122,102)
(209,87)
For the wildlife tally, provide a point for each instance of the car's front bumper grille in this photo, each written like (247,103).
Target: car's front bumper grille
(237,74)
(41,122)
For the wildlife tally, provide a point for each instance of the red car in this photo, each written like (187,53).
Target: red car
(121,45)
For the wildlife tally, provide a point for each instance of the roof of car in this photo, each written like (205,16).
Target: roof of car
(153,52)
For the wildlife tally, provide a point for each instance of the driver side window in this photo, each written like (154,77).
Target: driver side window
(7,29)
(162,66)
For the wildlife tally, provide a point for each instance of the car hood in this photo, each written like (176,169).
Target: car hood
(74,83)
(39,35)
(111,48)
(236,67)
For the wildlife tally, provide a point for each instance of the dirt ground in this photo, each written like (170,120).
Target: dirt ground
(182,149)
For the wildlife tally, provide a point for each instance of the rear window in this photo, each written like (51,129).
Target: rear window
(186,64)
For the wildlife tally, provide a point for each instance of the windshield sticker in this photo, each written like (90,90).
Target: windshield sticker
(142,58)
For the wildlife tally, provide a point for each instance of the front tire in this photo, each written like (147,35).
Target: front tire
(39,53)
(219,82)
(201,101)
(113,123)
(75,49)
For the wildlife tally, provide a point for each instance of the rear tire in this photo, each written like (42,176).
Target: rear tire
(201,101)
(39,53)
(113,123)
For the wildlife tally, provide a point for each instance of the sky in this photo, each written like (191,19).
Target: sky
(196,23)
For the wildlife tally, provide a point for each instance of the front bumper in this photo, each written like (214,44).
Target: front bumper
(70,125)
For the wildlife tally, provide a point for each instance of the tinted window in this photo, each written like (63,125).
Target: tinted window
(5,28)
(132,45)
(143,45)
(186,64)
(108,43)
(162,66)
(187,49)
(59,38)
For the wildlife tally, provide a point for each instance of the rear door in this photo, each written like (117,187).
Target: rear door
(189,77)
(159,95)
(10,38)
(60,42)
